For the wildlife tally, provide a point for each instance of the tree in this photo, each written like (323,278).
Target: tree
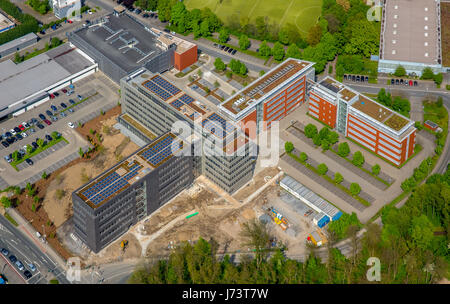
(288,146)
(322,168)
(376,169)
(244,42)
(242,69)
(40,143)
(264,49)
(338,178)
(316,140)
(314,35)
(355,189)
(223,35)
(364,38)
(278,51)
(310,130)
(293,52)
(44,175)
(6,202)
(204,28)
(29,149)
(258,237)
(400,71)
(427,73)
(438,78)
(358,159)
(333,137)
(15,156)
(325,145)
(422,231)
(219,64)
(303,157)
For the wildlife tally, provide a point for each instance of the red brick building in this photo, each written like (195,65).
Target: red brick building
(363,120)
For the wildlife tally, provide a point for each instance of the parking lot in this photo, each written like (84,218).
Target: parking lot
(101,94)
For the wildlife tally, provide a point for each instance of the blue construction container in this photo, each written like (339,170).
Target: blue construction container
(323,221)
(337,216)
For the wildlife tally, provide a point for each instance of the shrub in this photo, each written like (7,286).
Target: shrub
(219,64)
(447,87)
(316,140)
(288,146)
(325,145)
(355,189)
(358,159)
(6,202)
(376,169)
(343,149)
(322,168)
(44,175)
(303,156)
(310,131)
(338,178)
(324,133)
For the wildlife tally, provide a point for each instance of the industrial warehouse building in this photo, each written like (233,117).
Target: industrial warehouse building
(410,36)
(28,84)
(111,203)
(121,45)
(370,124)
(18,44)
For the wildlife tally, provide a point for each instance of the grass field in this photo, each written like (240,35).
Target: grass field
(302,13)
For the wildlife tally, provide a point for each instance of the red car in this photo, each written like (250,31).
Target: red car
(410,83)
(48,122)
(52,96)
(21,127)
(64,90)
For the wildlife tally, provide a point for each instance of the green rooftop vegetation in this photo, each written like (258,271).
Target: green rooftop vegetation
(396,122)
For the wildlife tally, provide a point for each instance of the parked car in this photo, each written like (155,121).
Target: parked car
(72,101)
(48,122)
(415,83)
(17,130)
(63,105)
(32,130)
(54,118)
(52,96)
(21,128)
(48,137)
(24,134)
(64,91)
(397,81)
(233,52)
(226,48)
(62,114)
(54,108)
(215,45)
(411,83)
(8,134)
(401,81)
(71,125)
(26,125)
(79,97)
(29,161)
(19,265)
(19,137)
(40,126)
(145,15)
(11,140)
(42,116)
(8,160)
(5,252)
(12,258)
(71,110)
(353,77)
(392,81)
(5,144)
(49,113)
(27,274)
(32,267)
(35,145)
(56,94)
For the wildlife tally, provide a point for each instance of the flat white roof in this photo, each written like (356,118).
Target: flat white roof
(410,31)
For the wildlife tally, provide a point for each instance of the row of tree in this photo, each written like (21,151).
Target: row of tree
(28,23)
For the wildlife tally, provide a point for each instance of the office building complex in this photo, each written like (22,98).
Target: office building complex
(379,129)
(151,105)
(410,36)
(111,203)
(121,45)
(272,96)
(5,23)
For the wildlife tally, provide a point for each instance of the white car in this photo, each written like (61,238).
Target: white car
(71,125)
(12,132)
(24,134)
(25,125)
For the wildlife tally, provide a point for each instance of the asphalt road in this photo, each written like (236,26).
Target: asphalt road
(27,251)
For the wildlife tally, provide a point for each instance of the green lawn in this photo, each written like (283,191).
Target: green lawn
(302,13)
(436,114)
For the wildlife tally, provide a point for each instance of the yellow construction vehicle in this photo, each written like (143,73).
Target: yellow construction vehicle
(124,244)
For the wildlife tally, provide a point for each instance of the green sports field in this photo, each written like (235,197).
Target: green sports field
(302,13)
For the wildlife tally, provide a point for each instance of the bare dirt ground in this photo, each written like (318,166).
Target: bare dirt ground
(114,252)
(57,204)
